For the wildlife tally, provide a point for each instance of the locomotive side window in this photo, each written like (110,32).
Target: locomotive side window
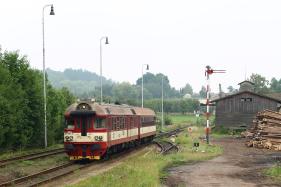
(131,122)
(69,123)
(123,123)
(111,123)
(89,123)
(78,122)
(99,122)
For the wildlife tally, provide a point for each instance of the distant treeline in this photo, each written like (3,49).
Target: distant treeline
(22,104)
(78,81)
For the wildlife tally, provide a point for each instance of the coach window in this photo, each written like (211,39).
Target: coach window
(135,123)
(69,123)
(117,124)
(120,123)
(78,122)
(99,122)
(125,122)
(111,123)
(114,123)
(131,123)
(89,123)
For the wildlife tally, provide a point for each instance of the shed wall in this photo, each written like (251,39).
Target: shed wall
(232,112)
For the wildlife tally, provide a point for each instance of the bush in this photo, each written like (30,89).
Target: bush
(167,120)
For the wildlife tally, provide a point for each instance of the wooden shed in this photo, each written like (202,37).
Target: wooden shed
(238,110)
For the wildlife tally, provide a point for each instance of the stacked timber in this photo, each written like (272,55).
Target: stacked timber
(266,131)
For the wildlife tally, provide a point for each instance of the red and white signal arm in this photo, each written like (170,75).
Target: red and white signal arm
(189,129)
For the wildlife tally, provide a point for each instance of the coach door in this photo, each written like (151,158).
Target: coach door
(84,126)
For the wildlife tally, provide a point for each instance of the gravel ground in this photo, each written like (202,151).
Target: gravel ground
(237,166)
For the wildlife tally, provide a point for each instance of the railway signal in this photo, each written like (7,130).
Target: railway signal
(209,72)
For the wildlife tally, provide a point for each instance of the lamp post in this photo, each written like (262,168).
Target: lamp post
(147,68)
(106,42)
(51,13)
(162,97)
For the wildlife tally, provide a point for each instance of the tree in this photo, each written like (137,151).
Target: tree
(184,107)
(187,89)
(260,83)
(203,92)
(125,89)
(275,85)
(230,89)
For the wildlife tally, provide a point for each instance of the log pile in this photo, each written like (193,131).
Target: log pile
(266,131)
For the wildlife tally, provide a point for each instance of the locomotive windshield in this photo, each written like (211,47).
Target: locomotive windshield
(69,123)
(99,122)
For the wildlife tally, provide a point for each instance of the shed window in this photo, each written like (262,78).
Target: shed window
(249,99)
(243,99)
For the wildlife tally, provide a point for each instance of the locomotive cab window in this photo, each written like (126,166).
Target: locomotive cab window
(69,123)
(89,123)
(99,122)
(78,122)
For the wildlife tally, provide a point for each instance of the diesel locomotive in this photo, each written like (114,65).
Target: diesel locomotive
(95,130)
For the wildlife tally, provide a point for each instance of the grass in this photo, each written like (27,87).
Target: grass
(274,173)
(148,169)
(22,153)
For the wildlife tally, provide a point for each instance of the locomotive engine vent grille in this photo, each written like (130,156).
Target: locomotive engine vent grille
(133,111)
(83,107)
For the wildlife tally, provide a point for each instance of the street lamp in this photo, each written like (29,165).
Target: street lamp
(51,13)
(106,42)
(166,77)
(147,68)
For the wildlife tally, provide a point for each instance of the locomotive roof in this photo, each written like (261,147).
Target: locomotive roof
(88,105)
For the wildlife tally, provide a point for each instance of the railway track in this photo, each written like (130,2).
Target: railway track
(55,173)
(33,156)
(167,134)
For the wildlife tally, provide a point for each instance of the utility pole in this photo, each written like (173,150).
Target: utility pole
(209,72)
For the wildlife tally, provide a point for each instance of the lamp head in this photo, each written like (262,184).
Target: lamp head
(147,68)
(106,42)
(52,11)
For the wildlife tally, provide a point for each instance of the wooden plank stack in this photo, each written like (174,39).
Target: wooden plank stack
(266,131)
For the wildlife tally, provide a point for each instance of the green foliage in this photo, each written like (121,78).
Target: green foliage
(274,172)
(167,120)
(203,92)
(230,89)
(261,84)
(22,103)
(163,140)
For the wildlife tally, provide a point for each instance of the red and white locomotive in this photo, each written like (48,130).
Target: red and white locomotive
(98,129)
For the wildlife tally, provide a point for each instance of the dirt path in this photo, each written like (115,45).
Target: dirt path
(237,166)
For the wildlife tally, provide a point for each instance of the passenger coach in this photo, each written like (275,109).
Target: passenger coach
(96,129)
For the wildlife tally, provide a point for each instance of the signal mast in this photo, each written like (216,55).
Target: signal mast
(209,72)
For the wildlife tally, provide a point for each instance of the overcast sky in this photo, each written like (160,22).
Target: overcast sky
(176,38)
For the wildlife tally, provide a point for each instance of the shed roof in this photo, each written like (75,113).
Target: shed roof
(253,93)
(247,82)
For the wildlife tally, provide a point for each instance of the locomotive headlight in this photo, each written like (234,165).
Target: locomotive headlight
(67,137)
(100,137)
(96,137)
(71,137)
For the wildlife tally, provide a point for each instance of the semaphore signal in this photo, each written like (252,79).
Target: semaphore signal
(209,72)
